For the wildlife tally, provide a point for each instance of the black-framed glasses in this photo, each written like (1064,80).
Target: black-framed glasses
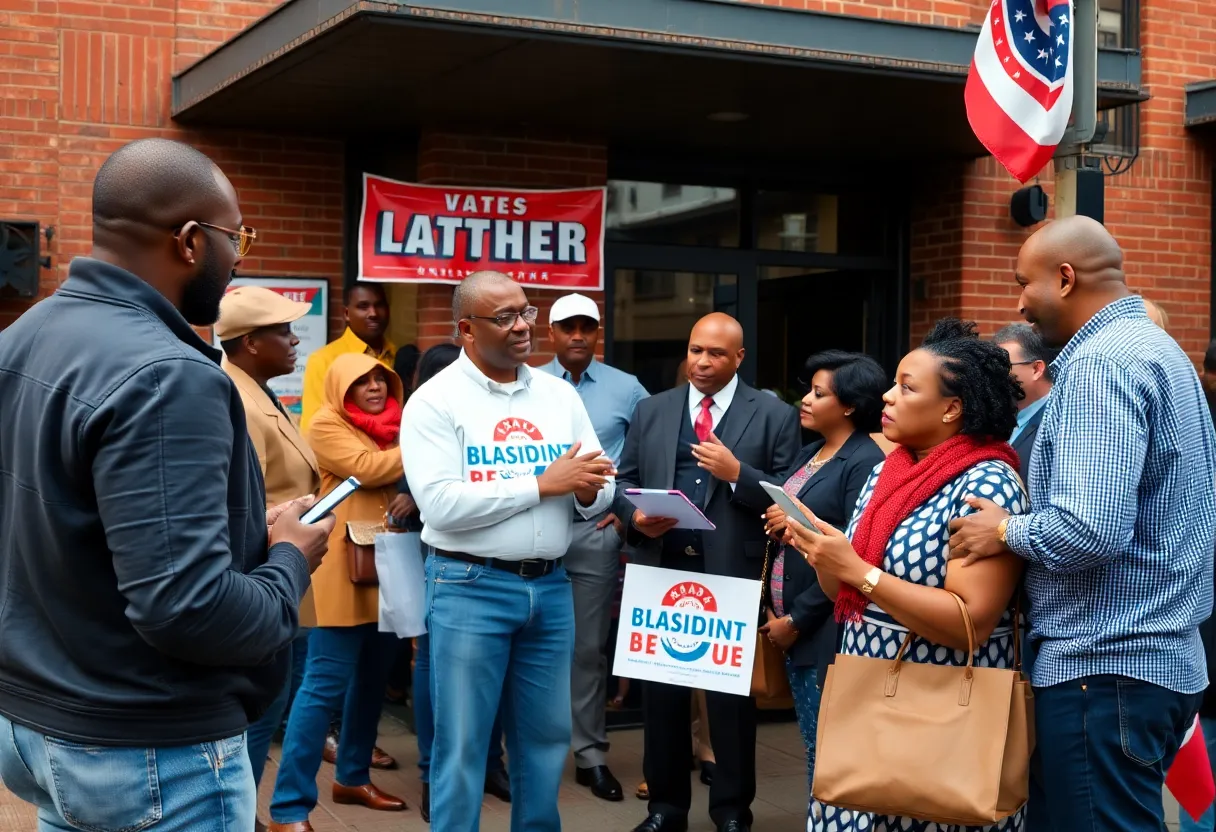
(241,238)
(1021,363)
(507,319)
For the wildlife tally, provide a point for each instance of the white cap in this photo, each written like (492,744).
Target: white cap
(574,306)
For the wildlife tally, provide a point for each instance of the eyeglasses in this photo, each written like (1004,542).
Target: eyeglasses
(507,319)
(241,238)
(1020,363)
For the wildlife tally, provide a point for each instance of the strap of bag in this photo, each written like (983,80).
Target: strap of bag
(964,694)
(764,594)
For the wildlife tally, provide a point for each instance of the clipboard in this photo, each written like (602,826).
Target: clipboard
(659,502)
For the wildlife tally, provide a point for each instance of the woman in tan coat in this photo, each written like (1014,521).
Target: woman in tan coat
(354,434)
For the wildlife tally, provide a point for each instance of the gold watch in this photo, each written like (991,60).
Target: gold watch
(1001,528)
(871,580)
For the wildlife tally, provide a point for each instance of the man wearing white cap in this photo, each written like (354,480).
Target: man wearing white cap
(592,561)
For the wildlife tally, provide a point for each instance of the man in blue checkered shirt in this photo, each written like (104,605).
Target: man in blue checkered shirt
(1118,545)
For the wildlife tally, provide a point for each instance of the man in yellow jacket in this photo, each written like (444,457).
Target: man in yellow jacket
(367,316)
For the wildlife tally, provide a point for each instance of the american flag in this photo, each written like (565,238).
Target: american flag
(1190,776)
(1019,88)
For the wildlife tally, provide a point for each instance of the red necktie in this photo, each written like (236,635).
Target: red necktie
(704,425)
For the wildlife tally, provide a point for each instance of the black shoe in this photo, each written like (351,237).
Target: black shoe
(662,823)
(424,806)
(499,785)
(707,772)
(603,784)
(734,826)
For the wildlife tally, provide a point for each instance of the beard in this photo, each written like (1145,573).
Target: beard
(202,295)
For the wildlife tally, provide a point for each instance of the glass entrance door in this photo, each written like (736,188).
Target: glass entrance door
(653,310)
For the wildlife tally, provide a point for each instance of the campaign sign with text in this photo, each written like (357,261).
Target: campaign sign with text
(441,233)
(688,629)
(312,329)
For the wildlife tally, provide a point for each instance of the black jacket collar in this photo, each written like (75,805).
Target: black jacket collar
(105,283)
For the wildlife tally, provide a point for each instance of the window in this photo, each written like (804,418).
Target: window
(669,214)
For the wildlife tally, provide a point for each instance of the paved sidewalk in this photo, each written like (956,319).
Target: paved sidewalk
(780,805)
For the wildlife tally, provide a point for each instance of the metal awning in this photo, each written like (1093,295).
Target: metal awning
(697,74)
(1200,111)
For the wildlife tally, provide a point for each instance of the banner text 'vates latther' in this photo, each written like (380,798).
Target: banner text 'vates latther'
(411,233)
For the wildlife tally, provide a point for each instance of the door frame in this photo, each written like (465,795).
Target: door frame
(888,307)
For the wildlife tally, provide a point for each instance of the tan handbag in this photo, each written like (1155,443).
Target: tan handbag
(945,744)
(361,552)
(770,685)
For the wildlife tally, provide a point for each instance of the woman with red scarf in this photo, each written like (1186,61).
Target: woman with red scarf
(355,433)
(950,412)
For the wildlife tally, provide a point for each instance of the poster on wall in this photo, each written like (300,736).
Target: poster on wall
(412,233)
(312,329)
(688,629)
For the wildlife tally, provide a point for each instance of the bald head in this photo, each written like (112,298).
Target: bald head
(155,184)
(164,212)
(473,288)
(715,351)
(1080,242)
(1068,270)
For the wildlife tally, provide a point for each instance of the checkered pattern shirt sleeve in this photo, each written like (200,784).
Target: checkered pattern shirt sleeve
(1119,542)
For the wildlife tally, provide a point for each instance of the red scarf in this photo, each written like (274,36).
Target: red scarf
(384,428)
(903,485)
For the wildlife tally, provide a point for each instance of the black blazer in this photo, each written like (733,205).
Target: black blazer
(762,432)
(831,494)
(1025,444)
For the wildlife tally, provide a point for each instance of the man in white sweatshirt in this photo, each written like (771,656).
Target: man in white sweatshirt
(499,457)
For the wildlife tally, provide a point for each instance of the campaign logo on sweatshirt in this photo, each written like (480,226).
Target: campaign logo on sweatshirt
(518,449)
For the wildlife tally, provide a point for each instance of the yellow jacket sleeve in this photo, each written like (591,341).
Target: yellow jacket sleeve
(314,387)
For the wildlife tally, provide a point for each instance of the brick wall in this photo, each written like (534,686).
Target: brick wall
(81,79)
(517,161)
(963,242)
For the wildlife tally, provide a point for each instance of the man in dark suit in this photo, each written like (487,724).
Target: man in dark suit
(715,439)
(1031,360)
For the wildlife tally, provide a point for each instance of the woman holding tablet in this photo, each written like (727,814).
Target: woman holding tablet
(950,412)
(842,404)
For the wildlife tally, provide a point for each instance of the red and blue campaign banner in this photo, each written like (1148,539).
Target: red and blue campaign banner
(411,233)
(687,629)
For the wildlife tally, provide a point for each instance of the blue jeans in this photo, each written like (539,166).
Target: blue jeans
(806,705)
(205,787)
(340,659)
(1207,821)
(261,733)
(424,715)
(1104,744)
(498,638)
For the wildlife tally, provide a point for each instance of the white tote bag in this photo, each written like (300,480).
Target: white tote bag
(402,584)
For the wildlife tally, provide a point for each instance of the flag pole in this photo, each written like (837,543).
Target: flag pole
(1079,181)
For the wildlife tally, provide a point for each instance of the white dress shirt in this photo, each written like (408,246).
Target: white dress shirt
(472,450)
(722,400)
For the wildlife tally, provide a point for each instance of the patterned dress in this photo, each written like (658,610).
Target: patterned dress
(916,552)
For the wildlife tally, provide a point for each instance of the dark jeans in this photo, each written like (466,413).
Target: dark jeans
(806,693)
(262,732)
(424,715)
(1104,744)
(345,664)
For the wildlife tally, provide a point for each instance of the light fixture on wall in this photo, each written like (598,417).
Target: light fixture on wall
(20,261)
(1028,206)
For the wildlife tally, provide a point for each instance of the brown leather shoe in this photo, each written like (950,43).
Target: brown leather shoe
(368,796)
(330,752)
(382,760)
(299,826)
